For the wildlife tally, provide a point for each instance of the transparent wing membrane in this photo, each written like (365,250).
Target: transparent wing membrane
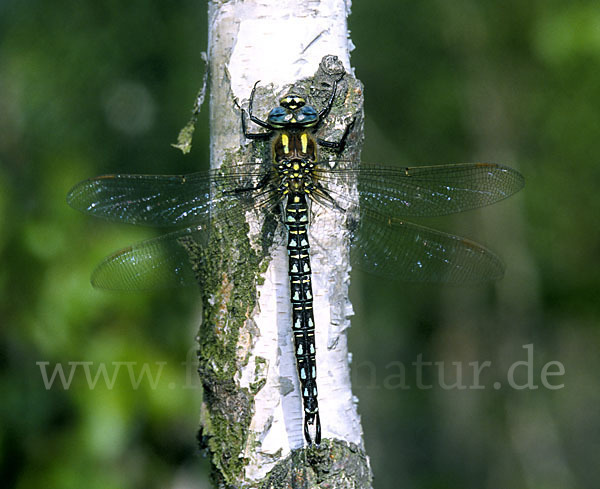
(383,243)
(156,263)
(405,251)
(422,191)
(164,200)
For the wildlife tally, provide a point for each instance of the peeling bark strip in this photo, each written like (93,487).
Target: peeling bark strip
(252,411)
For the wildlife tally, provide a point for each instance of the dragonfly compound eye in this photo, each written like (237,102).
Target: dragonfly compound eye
(278,117)
(307,116)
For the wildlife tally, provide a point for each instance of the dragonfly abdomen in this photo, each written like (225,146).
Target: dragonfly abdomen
(303,324)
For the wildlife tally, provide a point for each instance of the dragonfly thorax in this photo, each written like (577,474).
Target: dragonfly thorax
(290,146)
(296,176)
(294,156)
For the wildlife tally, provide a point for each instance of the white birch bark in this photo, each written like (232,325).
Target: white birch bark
(280,42)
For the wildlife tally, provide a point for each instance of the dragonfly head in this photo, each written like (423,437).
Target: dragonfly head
(293,111)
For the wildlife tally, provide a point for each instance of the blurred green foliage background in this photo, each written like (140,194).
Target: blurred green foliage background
(95,87)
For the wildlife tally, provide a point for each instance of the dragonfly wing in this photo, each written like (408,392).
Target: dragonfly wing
(408,252)
(421,191)
(157,263)
(167,200)
(155,200)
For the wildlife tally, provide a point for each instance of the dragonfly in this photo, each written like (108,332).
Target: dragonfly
(296,178)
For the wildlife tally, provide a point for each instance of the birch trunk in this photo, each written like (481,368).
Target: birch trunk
(252,419)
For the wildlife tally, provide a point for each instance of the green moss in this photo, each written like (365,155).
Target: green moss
(334,464)
(260,372)
(228,269)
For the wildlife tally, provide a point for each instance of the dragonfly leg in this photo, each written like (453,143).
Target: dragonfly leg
(255,119)
(253,135)
(338,146)
(320,194)
(325,112)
